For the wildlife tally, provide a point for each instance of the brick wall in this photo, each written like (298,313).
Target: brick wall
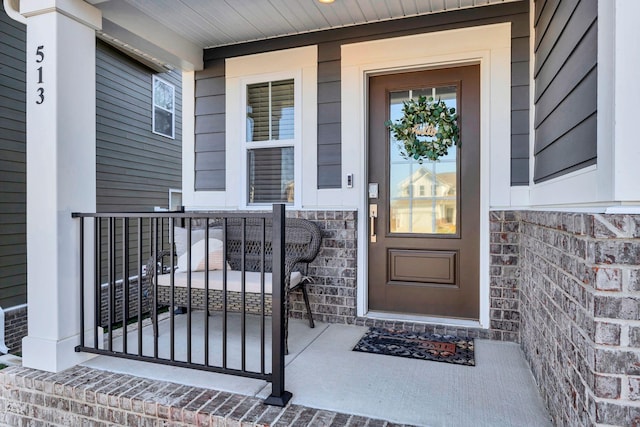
(15,327)
(82,396)
(580,309)
(333,295)
(504,274)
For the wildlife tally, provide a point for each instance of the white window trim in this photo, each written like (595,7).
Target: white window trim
(303,60)
(296,142)
(154,106)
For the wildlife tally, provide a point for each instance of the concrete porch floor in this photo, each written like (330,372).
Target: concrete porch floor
(323,373)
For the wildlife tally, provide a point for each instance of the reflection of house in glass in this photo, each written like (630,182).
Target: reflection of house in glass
(425,202)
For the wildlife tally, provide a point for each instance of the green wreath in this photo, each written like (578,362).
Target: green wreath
(425,118)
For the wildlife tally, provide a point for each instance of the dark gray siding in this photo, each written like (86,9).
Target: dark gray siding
(329,113)
(210,117)
(13,189)
(135,168)
(329,42)
(566,86)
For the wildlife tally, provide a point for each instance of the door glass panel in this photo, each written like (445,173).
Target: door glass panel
(422,197)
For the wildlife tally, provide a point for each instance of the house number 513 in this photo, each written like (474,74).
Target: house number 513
(40,88)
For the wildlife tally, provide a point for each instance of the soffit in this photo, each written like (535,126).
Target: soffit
(208,23)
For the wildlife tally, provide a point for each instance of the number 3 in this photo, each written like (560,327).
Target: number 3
(40,96)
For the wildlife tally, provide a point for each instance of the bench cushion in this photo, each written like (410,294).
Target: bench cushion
(234,280)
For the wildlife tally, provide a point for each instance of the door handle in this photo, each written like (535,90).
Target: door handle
(373,214)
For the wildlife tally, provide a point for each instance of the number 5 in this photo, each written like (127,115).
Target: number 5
(40,54)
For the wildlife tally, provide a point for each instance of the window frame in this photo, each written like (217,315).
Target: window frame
(296,142)
(154,106)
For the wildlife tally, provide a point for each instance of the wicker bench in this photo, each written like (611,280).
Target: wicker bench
(302,243)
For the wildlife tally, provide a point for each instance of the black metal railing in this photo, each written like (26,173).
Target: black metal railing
(133,316)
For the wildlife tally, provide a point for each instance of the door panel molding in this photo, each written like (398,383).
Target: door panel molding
(439,267)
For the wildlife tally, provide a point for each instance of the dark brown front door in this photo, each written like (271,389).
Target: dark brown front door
(424,222)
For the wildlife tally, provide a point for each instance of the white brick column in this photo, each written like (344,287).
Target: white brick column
(61,172)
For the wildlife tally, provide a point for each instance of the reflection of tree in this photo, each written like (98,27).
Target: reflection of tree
(427,203)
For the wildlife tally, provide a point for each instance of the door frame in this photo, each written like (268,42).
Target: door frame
(490,47)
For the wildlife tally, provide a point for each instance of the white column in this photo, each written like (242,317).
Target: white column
(626,95)
(61,173)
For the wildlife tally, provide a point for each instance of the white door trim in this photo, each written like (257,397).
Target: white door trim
(489,46)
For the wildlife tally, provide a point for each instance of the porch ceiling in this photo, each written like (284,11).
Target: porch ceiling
(200,24)
(212,24)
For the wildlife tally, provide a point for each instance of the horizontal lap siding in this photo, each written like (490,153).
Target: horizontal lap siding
(566,86)
(135,168)
(13,174)
(330,167)
(210,128)
(329,112)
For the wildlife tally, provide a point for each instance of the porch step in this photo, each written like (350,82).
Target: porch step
(88,396)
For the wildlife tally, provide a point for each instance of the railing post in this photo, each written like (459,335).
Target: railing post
(278,397)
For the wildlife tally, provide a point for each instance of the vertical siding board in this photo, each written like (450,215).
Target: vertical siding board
(566,88)
(13,134)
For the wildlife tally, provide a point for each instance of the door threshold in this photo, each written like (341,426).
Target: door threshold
(445,321)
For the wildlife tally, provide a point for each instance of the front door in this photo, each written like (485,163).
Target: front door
(424,217)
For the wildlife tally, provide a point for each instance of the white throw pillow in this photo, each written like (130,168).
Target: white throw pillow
(198,256)
(180,237)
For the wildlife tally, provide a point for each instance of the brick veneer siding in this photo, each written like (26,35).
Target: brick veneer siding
(15,327)
(82,396)
(333,295)
(504,274)
(580,309)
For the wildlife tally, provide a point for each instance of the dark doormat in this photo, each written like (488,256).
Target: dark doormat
(414,345)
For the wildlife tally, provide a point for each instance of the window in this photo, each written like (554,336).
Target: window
(163,108)
(270,140)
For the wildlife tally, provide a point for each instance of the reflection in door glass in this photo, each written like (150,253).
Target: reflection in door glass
(423,197)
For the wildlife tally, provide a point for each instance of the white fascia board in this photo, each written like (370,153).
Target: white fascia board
(132,27)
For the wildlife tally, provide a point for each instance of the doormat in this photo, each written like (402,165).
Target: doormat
(414,345)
